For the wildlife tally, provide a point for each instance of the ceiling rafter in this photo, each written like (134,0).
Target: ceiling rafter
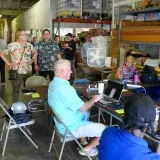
(15,7)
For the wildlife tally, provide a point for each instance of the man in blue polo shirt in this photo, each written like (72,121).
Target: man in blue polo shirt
(72,110)
(88,44)
(127,143)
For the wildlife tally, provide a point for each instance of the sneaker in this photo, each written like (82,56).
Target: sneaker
(83,145)
(91,152)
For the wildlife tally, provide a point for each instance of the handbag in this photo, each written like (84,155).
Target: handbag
(13,74)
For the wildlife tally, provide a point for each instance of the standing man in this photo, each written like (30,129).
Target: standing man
(70,51)
(48,53)
(57,40)
(88,44)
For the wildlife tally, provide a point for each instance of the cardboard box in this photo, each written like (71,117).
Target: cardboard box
(114,60)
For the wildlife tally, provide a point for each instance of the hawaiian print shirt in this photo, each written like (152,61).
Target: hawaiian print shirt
(126,73)
(16,52)
(47,54)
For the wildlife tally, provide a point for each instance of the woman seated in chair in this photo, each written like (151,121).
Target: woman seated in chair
(126,71)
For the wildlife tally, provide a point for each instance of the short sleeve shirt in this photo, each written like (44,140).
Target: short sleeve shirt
(118,144)
(47,54)
(70,54)
(86,46)
(64,99)
(16,51)
(127,73)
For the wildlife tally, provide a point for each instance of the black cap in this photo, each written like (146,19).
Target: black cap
(139,111)
(69,34)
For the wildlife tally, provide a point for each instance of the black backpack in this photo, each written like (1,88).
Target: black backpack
(149,75)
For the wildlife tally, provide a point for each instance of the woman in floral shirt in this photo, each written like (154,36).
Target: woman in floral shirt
(126,71)
(20,53)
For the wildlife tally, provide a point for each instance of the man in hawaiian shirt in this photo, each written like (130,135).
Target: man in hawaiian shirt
(48,53)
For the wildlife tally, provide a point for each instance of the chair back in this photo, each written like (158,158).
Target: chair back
(111,76)
(59,120)
(35,81)
(5,108)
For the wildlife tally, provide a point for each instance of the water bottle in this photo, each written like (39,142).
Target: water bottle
(136,76)
(155,123)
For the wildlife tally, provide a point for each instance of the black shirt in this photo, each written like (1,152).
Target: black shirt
(70,54)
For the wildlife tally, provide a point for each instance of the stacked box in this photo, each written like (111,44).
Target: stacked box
(68,8)
(98,32)
(106,8)
(91,9)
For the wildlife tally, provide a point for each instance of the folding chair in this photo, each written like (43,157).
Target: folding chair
(32,82)
(66,138)
(11,124)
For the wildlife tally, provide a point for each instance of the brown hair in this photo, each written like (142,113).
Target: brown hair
(56,36)
(18,33)
(46,30)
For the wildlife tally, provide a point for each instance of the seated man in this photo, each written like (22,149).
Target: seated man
(72,110)
(127,143)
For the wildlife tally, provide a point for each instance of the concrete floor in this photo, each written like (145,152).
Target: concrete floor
(20,148)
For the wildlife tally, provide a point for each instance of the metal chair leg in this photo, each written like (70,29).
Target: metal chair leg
(99,114)
(64,141)
(103,117)
(111,120)
(51,143)
(4,124)
(5,142)
(27,130)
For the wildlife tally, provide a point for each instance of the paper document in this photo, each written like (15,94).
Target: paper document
(120,111)
(35,95)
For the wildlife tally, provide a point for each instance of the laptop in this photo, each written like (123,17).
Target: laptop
(112,93)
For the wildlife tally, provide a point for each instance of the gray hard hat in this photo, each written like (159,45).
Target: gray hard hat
(18,107)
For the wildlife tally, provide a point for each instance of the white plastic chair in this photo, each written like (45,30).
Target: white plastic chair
(11,124)
(111,76)
(35,81)
(66,138)
(32,82)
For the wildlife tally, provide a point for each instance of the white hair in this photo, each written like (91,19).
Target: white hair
(60,64)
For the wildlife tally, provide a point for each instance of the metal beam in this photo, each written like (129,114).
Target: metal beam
(121,3)
(11,12)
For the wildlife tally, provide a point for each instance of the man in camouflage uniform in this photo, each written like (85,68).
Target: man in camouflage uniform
(48,53)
